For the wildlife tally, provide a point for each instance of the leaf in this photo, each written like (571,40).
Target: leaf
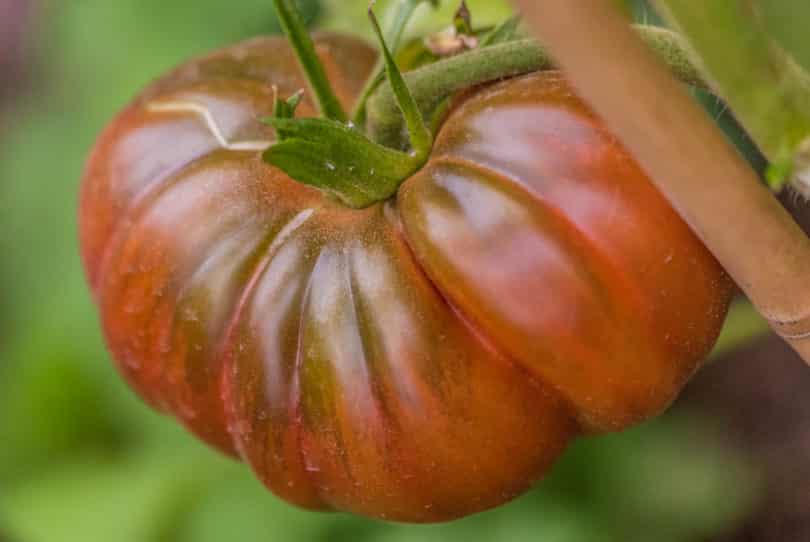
(786,21)
(350,15)
(420,136)
(400,15)
(348,165)
(285,109)
(131,500)
(504,32)
(239,508)
(462,20)
(655,475)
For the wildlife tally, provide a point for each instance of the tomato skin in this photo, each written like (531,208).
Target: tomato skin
(418,360)
(524,173)
(137,221)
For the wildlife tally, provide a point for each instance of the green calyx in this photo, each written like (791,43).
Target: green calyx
(334,156)
(339,160)
(402,13)
(360,168)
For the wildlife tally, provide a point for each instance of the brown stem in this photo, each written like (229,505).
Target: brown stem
(685,154)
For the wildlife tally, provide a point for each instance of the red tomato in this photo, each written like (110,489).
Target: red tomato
(417,360)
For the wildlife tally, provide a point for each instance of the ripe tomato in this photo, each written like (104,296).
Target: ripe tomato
(419,359)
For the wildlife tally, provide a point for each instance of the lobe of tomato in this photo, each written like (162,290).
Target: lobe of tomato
(538,225)
(417,360)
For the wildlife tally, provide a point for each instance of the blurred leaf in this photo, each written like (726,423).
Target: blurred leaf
(736,134)
(133,500)
(642,12)
(239,508)
(786,21)
(744,324)
(654,476)
(55,407)
(527,520)
(350,15)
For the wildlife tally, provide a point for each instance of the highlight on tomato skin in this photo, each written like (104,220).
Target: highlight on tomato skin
(421,359)
(524,173)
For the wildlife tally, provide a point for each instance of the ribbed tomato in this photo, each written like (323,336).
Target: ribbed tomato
(419,359)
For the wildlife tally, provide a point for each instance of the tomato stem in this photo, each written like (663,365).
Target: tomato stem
(433,84)
(302,43)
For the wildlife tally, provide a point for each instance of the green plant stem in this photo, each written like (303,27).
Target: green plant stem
(767,90)
(302,43)
(431,85)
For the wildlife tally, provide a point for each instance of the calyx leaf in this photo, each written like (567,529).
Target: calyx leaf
(420,135)
(505,32)
(402,13)
(338,159)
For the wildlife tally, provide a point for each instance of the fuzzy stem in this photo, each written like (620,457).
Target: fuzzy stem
(431,85)
(687,157)
(302,43)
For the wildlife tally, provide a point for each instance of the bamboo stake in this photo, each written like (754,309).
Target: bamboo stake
(687,157)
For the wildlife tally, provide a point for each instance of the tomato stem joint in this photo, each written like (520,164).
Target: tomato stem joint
(364,161)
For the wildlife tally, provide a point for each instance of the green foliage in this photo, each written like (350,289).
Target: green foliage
(421,139)
(786,21)
(354,169)
(351,167)
(82,459)
(767,89)
(348,15)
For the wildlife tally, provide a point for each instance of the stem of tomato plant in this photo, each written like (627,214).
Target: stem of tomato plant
(299,37)
(431,85)
(687,157)
(765,87)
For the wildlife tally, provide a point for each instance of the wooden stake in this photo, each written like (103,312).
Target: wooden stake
(685,154)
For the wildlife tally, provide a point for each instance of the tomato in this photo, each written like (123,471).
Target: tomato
(420,359)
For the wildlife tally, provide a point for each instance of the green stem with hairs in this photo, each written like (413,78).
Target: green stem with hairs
(299,37)
(433,84)
(764,86)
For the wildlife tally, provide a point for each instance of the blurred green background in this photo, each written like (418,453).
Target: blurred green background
(81,459)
